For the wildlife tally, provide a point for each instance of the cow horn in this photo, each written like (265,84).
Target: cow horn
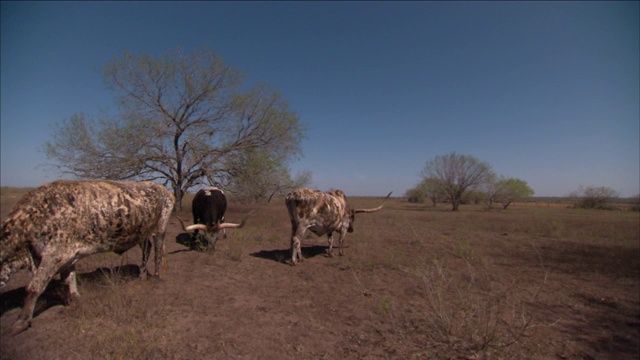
(373,209)
(196,227)
(181,223)
(215,228)
(232,225)
(193,227)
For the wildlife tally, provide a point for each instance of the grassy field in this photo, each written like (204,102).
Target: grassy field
(416,282)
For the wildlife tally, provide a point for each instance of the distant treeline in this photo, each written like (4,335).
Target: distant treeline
(571,200)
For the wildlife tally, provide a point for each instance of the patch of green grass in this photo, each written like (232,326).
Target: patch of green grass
(464,249)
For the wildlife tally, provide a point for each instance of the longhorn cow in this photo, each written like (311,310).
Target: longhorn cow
(59,223)
(322,213)
(208,207)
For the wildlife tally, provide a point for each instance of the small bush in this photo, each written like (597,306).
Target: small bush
(472,315)
(594,197)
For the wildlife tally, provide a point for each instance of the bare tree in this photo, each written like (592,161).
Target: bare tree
(492,188)
(180,116)
(455,173)
(593,197)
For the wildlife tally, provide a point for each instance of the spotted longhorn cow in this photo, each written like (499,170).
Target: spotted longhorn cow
(322,213)
(59,223)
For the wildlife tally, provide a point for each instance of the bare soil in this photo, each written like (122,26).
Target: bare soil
(416,282)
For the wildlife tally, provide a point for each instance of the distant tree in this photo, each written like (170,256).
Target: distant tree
(432,190)
(181,116)
(473,196)
(491,188)
(511,189)
(455,174)
(426,189)
(593,197)
(415,194)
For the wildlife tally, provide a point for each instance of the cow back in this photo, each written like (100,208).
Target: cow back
(321,211)
(209,206)
(96,215)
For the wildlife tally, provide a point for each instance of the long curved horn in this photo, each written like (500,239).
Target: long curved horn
(181,223)
(217,227)
(373,209)
(190,228)
(196,227)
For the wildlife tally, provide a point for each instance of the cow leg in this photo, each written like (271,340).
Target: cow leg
(48,267)
(69,276)
(159,246)
(296,251)
(159,251)
(330,238)
(341,243)
(224,231)
(145,245)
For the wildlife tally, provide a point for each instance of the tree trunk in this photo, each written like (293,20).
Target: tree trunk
(457,197)
(178,194)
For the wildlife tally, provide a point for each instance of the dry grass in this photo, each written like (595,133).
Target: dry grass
(415,282)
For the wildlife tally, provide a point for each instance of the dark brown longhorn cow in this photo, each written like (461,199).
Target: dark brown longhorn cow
(208,207)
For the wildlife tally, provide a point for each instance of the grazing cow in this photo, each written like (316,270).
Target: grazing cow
(322,213)
(59,223)
(208,208)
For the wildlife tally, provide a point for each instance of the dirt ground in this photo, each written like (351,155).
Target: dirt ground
(415,282)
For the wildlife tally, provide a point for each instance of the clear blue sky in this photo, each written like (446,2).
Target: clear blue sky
(547,92)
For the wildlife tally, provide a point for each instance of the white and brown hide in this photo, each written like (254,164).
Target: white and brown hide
(322,213)
(59,223)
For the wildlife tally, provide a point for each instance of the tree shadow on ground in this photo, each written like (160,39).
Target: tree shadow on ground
(284,256)
(56,292)
(619,321)
(572,257)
